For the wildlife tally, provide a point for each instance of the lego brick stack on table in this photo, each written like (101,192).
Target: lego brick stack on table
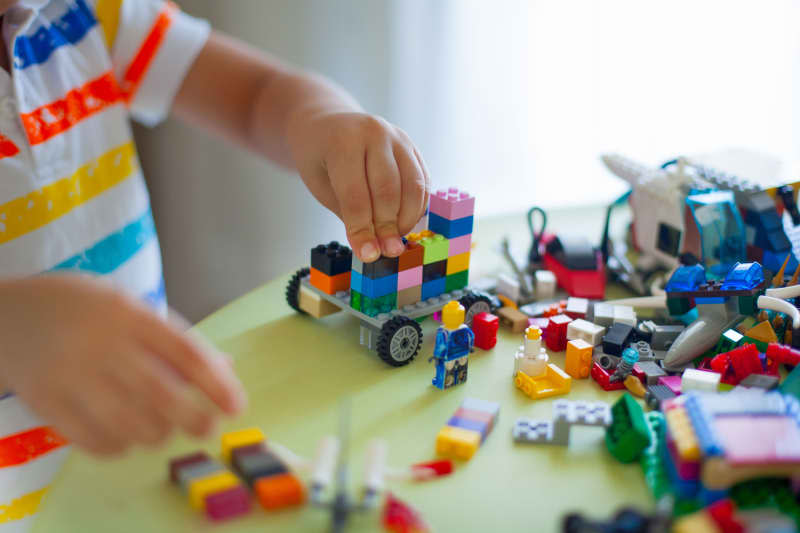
(467,429)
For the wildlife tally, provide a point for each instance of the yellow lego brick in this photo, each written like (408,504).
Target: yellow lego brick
(552,383)
(457,263)
(578,360)
(236,439)
(680,427)
(699,522)
(205,486)
(457,443)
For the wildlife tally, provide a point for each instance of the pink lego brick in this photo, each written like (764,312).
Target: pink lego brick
(687,470)
(228,503)
(452,204)
(673,383)
(409,278)
(460,245)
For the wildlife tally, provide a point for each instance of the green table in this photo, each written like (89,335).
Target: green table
(296,369)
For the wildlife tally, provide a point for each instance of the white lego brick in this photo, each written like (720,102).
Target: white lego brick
(603,314)
(585,330)
(545,284)
(624,314)
(578,306)
(508,287)
(532,431)
(699,380)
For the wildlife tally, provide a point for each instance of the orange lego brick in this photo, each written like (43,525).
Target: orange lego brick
(276,492)
(578,359)
(330,284)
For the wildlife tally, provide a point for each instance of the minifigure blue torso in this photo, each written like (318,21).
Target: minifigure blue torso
(452,344)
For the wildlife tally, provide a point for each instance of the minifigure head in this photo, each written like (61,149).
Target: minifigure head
(453,315)
(533,333)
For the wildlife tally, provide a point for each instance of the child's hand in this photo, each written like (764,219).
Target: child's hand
(366,171)
(102,368)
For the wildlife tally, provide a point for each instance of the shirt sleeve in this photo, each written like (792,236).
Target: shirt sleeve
(152,45)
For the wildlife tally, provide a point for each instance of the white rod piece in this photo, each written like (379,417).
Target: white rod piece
(792,291)
(374,470)
(325,462)
(781,306)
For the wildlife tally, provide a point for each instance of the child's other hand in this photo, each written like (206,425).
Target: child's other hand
(365,170)
(102,368)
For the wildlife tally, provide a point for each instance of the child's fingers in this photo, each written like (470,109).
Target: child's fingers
(196,365)
(348,177)
(104,439)
(412,179)
(383,177)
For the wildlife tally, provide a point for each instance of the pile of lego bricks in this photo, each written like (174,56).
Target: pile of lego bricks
(223,493)
(467,429)
(436,260)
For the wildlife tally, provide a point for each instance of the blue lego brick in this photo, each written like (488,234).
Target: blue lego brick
(710,300)
(375,288)
(450,228)
(703,425)
(433,288)
(683,488)
(474,425)
(743,276)
(772,261)
(356,281)
(686,279)
(709,496)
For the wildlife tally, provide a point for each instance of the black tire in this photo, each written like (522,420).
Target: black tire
(293,289)
(474,303)
(399,341)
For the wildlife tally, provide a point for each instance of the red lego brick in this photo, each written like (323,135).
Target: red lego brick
(603,378)
(723,513)
(782,355)
(228,503)
(556,338)
(745,361)
(330,284)
(485,326)
(436,468)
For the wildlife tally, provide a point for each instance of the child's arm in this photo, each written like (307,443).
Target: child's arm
(359,166)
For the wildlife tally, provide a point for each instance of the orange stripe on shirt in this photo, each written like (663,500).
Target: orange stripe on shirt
(147,52)
(51,119)
(7,147)
(26,446)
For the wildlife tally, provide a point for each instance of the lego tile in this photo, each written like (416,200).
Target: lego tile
(473,425)
(433,271)
(457,443)
(409,278)
(460,245)
(457,263)
(484,406)
(277,492)
(576,307)
(699,380)
(512,318)
(193,471)
(452,204)
(176,463)
(485,326)
(585,330)
(456,281)
(228,503)
(409,296)
(412,257)
(436,248)
(450,228)
(381,267)
(330,284)
(578,359)
(378,287)
(242,437)
(545,284)
(331,259)
(762,332)
(314,304)
(201,487)
(433,288)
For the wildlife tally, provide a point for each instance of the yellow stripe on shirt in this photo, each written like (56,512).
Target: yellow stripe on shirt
(107,12)
(23,506)
(30,212)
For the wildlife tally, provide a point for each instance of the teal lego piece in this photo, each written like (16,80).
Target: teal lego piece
(628,435)
(376,306)
(456,281)
(791,385)
(747,304)
(678,306)
(652,458)
(436,249)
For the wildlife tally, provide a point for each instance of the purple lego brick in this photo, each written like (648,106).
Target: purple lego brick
(473,425)
(228,503)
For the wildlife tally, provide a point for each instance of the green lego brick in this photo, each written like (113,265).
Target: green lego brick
(652,458)
(376,306)
(678,306)
(729,340)
(456,281)
(747,305)
(767,492)
(356,299)
(762,346)
(436,249)
(791,384)
(628,434)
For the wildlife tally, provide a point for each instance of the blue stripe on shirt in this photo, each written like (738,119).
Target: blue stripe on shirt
(70,28)
(114,250)
(157,297)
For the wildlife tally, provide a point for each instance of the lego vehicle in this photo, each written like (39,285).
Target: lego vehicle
(686,213)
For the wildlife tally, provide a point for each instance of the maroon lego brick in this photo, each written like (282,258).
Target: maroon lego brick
(177,463)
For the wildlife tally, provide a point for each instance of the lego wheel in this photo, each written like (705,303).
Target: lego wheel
(399,341)
(293,289)
(474,303)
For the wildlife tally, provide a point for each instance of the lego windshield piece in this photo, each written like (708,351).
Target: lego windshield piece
(721,230)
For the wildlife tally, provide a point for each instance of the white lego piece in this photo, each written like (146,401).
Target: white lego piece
(508,287)
(545,284)
(532,365)
(566,413)
(699,380)
(577,306)
(625,314)
(603,314)
(585,330)
(532,431)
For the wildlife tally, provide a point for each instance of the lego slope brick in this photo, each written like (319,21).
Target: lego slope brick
(452,204)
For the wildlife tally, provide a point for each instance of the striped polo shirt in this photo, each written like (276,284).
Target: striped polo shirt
(72,194)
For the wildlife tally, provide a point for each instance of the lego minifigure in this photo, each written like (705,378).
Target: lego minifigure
(454,342)
(531,358)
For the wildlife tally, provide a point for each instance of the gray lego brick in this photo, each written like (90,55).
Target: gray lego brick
(664,336)
(645,352)
(652,370)
(760,381)
(197,470)
(607,362)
